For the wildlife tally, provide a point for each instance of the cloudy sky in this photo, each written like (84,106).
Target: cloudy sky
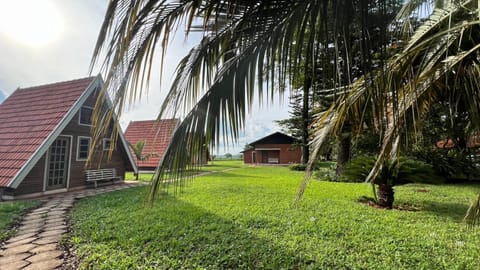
(45,41)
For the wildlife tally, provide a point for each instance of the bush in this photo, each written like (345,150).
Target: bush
(357,169)
(326,172)
(298,167)
(396,172)
(450,163)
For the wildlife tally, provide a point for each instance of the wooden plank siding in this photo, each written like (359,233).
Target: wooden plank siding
(34,181)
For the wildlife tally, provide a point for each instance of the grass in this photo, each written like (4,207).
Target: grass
(9,214)
(243,219)
(211,167)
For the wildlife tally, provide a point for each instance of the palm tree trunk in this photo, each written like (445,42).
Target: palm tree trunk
(306,119)
(385,196)
(343,155)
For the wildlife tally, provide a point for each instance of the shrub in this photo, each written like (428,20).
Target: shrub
(450,163)
(298,167)
(326,172)
(397,171)
(394,172)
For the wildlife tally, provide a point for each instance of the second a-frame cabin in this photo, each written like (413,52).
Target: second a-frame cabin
(45,139)
(156,136)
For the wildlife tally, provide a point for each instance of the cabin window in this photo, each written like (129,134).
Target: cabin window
(85,116)
(106,144)
(83,148)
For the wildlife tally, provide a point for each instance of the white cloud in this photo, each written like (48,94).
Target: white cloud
(31,23)
(68,57)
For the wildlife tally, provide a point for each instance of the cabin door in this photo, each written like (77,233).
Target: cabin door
(58,161)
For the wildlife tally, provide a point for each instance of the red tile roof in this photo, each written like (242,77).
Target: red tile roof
(28,117)
(157,136)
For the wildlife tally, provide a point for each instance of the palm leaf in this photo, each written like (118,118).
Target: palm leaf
(472,218)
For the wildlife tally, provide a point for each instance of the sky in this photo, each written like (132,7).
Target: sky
(45,41)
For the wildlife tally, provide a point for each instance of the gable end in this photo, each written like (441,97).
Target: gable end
(22,173)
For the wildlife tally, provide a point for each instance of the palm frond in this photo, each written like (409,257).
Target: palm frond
(440,16)
(428,55)
(219,114)
(472,218)
(138,149)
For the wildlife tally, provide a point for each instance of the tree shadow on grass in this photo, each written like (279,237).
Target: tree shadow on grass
(454,211)
(175,234)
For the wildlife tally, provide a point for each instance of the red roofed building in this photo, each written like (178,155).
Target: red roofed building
(156,135)
(276,148)
(45,139)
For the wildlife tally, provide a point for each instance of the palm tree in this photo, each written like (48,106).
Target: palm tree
(248,48)
(252,47)
(137,149)
(394,172)
(440,59)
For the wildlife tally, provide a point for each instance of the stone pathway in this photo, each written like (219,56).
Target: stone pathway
(36,242)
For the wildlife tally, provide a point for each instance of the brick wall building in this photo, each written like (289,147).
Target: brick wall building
(276,148)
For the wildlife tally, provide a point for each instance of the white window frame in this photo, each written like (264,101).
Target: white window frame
(103,144)
(80,115)
(78,147)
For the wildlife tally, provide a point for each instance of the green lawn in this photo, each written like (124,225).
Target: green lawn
(9,213)
(211,167)
(243,219)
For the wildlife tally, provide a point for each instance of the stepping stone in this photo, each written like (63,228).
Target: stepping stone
(57,215)
(48,240)
(18,249)
(32,217)
(54,228)
(40,211)
(20,242)
(67,204)
(33,222)
(22,231)
(55,220)
(43,265)
(17,265)
(32,226)
(45,207)
(20,237)
(55,223)
(44,248)
(62,211)
(57,211)
(45,256)
(52,233)
(13,258)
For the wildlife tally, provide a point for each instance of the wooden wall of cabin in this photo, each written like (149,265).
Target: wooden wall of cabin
(33,182)
(100,158)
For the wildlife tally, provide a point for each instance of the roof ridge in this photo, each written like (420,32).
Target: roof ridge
(149,121)
(56,83)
